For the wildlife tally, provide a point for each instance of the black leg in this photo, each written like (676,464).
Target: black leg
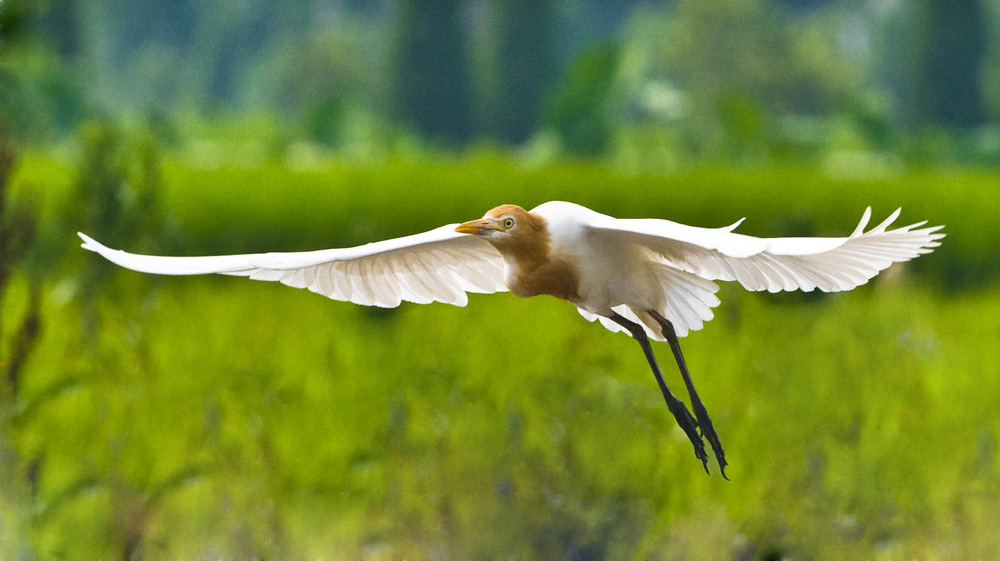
(700,413)
(676,406)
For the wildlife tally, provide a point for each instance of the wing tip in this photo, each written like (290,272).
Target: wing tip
(865,218)
(734,225)
(90,243)
(888,221)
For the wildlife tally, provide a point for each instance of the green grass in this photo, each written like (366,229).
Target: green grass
(218,417)
(221,417)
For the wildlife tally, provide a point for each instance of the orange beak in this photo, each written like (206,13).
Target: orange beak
(479,227)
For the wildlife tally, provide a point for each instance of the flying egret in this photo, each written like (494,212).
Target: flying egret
(649,277)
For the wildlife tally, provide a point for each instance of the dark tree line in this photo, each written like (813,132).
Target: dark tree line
(953,35)
(166,56)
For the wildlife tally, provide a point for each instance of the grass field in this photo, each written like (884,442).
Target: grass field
(218,417)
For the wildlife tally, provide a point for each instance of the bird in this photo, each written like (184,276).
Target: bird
(651,278)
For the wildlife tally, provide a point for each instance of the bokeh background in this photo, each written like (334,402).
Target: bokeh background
(222,418)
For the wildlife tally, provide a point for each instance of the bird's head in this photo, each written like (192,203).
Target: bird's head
(507,226)
(523,239)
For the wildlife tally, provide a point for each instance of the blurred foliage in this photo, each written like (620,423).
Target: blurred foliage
(118,183)
(116,191)
(432,81)
(20,323)
(952,49)
(392,434)
(324,85)
(527,64)
(722,81)
(18,217)
(579,111)
(343,204)
(194,418)
(396,436)
(727,75)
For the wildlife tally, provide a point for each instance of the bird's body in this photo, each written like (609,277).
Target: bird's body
(652,278)
(572,261)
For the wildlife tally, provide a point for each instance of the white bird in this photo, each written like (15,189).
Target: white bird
(652,278)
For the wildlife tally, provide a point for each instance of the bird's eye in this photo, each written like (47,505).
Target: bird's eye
(509,223)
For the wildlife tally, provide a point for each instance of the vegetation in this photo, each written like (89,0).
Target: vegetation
(220,418)
(192,417)
(244,420)
(338,203)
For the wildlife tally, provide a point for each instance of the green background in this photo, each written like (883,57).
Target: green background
(216,417)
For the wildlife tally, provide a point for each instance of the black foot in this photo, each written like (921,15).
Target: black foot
(708,431)
(690,427)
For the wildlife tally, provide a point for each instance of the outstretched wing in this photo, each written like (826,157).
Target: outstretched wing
(440,265)
(776,264)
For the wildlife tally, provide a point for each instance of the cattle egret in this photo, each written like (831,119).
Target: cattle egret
(651,278)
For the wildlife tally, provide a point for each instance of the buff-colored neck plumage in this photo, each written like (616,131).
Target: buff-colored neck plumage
(526,249)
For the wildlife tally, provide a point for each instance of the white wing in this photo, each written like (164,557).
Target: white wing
(440,265)
(776,264)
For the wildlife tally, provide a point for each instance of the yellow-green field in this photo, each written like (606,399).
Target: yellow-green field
(224,418)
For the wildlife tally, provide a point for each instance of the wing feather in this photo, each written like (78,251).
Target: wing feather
(776,264)
(438,265)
